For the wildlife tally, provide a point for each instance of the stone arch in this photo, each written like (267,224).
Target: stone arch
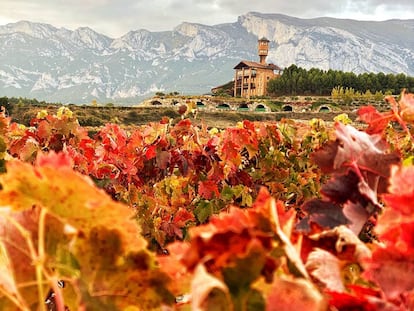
(260,107)
(287,108)
(223,106)
(243,107)
(156,103)
(200,104)
(324,109)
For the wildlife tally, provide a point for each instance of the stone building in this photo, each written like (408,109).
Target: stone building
(251,78)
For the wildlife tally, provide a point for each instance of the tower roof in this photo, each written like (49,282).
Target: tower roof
(264,39)
(249,64)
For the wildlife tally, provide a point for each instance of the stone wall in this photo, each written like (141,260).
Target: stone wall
(207,103)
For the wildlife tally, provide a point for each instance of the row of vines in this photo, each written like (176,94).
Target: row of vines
(173,216)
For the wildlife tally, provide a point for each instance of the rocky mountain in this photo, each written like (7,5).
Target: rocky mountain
(56,64)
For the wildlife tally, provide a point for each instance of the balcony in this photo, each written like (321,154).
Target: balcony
(246,85)
(247,75)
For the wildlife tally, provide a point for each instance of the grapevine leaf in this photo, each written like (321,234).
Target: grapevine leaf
(163,159)
(245,269)
(354,195)
(203,210)
(356,146)
(395,228)
(401,190)
(19,230)
(342,188)
(25,149)
(182,109)
(367,151)
(324,157)
(323,213)
(231,153)
(326,268)
(244,137)
(104,238)
(392,265)
(44,130)
(342,242)
(151,152)
(294,294)
(7,280)
(359,298)
(396,225)
(407,106)
(239,177)
(357,215)
(281,223)
(392,271)
(226,240)
(57,161)
(227,193)
(353,148)
(182,217)
(377,122)
(208,189)
(208,292)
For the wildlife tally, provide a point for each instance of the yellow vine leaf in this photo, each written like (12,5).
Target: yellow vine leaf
(91,241)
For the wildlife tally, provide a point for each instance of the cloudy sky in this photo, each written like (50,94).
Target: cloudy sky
(116,17)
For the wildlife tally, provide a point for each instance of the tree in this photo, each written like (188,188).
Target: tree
(296,80)
(4,102)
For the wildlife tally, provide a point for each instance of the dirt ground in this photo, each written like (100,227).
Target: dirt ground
(130,116)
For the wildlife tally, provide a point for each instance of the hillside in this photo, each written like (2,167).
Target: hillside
(76,66)
(129,117)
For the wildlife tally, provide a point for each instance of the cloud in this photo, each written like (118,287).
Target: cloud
(116,17)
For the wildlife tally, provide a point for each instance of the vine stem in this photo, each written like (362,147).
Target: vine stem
(20,304)
(41,257)
(32,252)
(60,305)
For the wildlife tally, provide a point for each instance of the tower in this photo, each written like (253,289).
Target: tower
(263,49)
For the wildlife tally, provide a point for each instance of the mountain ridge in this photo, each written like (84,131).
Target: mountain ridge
(57,64)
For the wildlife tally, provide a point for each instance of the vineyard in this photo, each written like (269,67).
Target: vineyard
(176,216)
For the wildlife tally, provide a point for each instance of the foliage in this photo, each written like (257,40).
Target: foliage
(238,248)
(56,226)
(296,80)
(348,95)
(259,216)
(161,168)
(224,90)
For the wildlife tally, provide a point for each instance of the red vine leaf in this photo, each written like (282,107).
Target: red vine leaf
(56,160)
(163,159)
(377,122)
(393,272)
(407,106)
(208,189)
(401,190)
(151,152)
(359,298)
(294,294)
(343,188)
(326,268)
(358,150)
(323,213)
(367,151)
(392,264)
(208,292)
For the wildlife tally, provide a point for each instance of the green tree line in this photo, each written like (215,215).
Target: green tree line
(9,103)
(299,81)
